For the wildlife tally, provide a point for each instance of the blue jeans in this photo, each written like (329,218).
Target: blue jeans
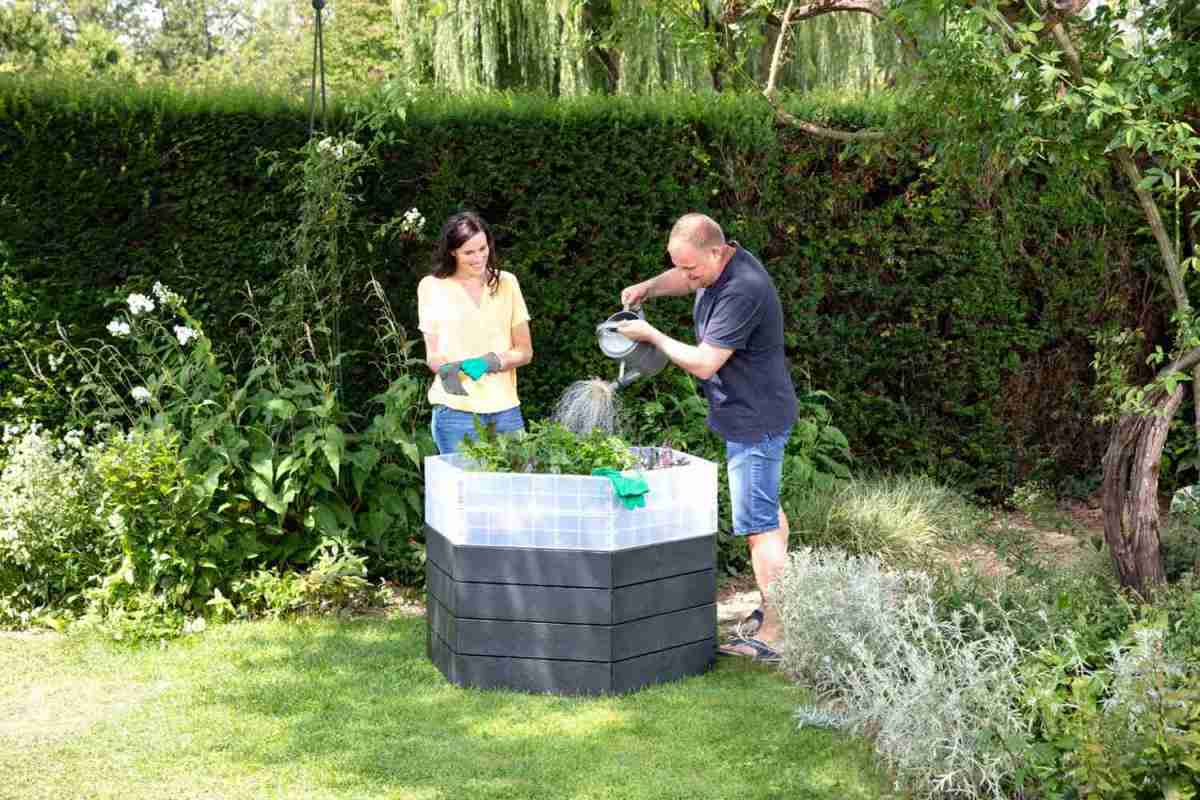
(755,471)
(450,426)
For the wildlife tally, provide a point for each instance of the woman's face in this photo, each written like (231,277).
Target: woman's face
(472,257)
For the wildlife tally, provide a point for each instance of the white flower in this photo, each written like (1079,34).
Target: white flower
(184,334)
(165,296)
(413,221)
(139,303)
(141,394)
(117,328)
(18,402)
(325,145)
(56,361)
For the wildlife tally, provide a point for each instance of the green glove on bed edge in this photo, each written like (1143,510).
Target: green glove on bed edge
(630,489)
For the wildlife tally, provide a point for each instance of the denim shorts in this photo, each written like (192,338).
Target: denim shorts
(451,426)
(755,470)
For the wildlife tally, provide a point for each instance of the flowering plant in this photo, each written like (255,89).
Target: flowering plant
(226,470)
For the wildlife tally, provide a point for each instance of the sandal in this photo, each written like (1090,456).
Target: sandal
(754,649)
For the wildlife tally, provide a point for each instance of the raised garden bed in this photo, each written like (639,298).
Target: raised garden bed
(547,583)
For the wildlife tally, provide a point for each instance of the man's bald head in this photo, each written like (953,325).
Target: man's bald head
(699,230)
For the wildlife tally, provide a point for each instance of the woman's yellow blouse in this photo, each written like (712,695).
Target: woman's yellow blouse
(464,330)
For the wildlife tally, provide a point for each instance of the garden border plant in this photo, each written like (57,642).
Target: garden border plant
(216,465)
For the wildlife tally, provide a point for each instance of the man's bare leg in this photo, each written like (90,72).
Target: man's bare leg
(768,555)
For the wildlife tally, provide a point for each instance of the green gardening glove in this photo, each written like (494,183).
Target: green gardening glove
(630,489)
(478,367)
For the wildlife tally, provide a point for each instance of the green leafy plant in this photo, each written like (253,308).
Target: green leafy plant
(1128,730)
(52,545)
(817,454)
(336,581)
(159,517)
(549,448)
(253,460)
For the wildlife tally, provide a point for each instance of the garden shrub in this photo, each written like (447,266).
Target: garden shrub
(1125,731)
(938,703)
(51,542)
(333,582)
(217,471)
(158,517)
(1081,600)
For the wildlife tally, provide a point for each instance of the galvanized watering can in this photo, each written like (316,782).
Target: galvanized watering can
(638,359)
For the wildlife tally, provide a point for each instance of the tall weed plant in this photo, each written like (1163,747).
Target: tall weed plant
(939,704)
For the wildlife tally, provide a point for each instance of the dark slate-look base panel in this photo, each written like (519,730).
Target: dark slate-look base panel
(522,639)
(572,677)
(571,621)
(570,604)
(582,568)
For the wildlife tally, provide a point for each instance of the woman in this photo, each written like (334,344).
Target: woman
(476,330)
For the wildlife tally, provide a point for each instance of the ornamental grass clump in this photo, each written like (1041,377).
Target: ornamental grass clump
(939,703)
(899,518)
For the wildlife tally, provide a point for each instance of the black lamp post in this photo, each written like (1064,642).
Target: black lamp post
(318,66)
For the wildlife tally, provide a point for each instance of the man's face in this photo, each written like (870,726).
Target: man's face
(700,265)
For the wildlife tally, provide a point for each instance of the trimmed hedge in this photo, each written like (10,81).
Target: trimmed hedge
(952,332)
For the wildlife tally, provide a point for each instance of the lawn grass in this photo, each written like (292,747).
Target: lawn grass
(353,709)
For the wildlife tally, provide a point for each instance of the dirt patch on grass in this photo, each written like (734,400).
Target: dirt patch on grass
(52,712)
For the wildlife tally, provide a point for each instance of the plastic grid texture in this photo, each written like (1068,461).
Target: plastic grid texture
(578,512)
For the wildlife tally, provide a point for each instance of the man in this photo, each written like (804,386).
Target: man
(752,404)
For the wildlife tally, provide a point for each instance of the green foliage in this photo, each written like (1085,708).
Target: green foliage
(334,582)
(158,517)
(27,312)
(1082,602)
(952,333)
(52,545)
(817,453)
(1129,730)
(244,458)
(547,447)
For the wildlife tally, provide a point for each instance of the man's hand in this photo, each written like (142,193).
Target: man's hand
(635,295)
(638,330)
(450,374)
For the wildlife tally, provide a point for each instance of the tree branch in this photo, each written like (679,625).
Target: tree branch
(822,132)
(1185,362)
(777,56)
(817,8)
(791,120)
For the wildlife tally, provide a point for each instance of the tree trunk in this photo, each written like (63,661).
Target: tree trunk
(1131,494)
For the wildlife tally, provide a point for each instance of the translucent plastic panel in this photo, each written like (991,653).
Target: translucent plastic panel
(570,511)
